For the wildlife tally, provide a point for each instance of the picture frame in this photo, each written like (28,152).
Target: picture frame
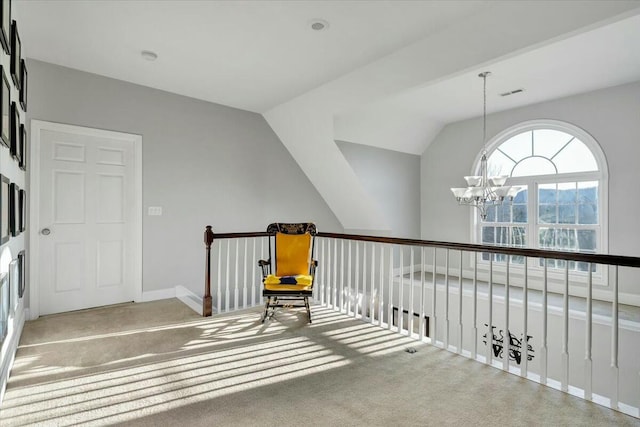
(5,25)
(14,134)
(23,210)
(5,106)
(5,229)
(22,269)
(23,88)
(16,53)
(22,156)
(14,285)
(14,209)
(4,305)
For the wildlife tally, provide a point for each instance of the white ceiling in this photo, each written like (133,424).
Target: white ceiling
(255,55)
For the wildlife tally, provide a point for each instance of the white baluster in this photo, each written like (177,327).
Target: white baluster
(356,302)
(349,294)
(381,299)
(219,282)
(615,371)
(506,340)
(327,276)
(390,303)
(434,314)
(226,284)
(401,292)
(410,311)
(254,263)
(588,339)
(342,271)
(544,350)
(460,306)
(323,270)
(364,281)
(236,289)
(421,328)
(565,330)
(446,300)
(474,312)
(372,308)
(490,324)
(245,273)
(334,288)
(524,348)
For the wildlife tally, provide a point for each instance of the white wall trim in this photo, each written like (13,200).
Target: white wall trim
(192,300)
(33,254)
(10,347)
(158,294)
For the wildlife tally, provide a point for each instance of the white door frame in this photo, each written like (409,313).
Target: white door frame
(34,203)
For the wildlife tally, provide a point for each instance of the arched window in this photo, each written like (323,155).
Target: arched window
(562,173)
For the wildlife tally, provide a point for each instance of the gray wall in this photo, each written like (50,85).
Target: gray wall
(611,116)
(392,179)
(203,163)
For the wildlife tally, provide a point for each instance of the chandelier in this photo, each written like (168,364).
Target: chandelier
(484,191)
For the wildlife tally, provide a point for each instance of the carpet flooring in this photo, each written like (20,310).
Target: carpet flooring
(160,364)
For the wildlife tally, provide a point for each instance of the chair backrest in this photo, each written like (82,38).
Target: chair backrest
(293,246)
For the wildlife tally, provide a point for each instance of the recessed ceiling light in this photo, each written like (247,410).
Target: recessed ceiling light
(318,24)
(149,55)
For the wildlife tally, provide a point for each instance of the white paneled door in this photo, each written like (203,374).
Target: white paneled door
(87,219)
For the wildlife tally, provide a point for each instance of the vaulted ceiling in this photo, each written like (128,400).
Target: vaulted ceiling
(389,74)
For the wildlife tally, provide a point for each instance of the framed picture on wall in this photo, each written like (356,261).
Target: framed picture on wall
(22,269)
(22,156)
(5,106)
(14,284)
(23,210)
(23,89)
(14,209)
(4,210)
(16,52)
(14,134)
(5,24)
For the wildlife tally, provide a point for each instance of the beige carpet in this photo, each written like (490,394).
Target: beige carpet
(159,364)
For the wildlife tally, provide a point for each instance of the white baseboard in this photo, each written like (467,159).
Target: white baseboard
(158,294)
(8,352)
(192,300)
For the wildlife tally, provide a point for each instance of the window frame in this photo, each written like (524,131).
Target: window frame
(600,277)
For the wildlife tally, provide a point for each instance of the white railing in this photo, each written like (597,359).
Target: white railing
(443,294)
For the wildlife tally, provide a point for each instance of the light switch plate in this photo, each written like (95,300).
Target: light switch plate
(155,210)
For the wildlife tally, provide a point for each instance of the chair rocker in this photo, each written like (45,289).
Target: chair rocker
(288,276)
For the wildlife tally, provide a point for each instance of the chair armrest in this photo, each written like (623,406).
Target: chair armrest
(266,267)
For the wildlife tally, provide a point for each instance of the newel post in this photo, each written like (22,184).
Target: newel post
(206,301)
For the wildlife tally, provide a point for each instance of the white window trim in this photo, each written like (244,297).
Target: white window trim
(600,278)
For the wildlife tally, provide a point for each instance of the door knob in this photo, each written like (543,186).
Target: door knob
(45,231)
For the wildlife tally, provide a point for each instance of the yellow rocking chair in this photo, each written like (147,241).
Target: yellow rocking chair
(289,276)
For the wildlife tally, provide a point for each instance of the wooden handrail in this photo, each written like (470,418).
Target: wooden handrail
(605,259)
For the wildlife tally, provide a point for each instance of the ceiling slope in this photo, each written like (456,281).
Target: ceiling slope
(305,124)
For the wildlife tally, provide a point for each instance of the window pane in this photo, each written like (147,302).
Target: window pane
(504,213)
(547,194)
(588,214)
(587,241)
(588,192)
(546,238)
(547,142)
(534,166)
(499,164)
(567,192)
(575,157)
(519,236)
(522,196)
(520,213)
(518,147)
(502,235)
(547,214)
(491,214)
(567,214)
(488,235)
